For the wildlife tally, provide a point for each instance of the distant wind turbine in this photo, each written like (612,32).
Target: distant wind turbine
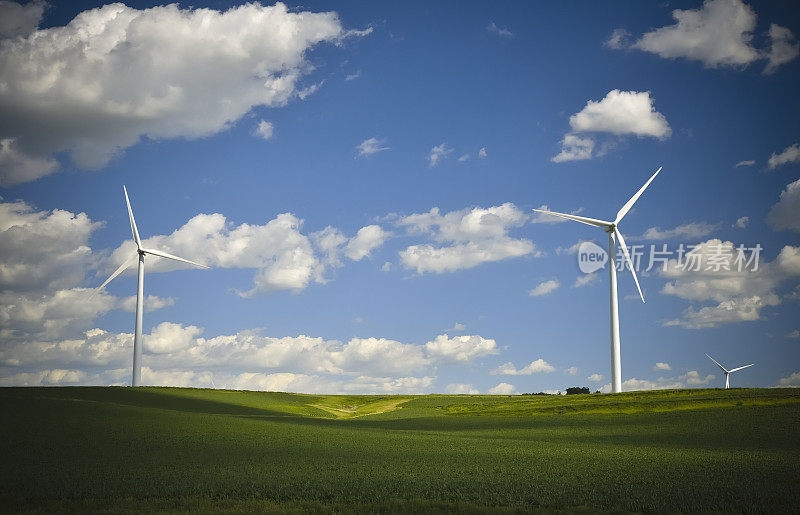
(136,377)
(728,372)
(613,232)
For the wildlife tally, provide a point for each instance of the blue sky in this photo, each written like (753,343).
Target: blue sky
(151,101)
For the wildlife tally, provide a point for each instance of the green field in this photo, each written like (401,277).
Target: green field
(175,449)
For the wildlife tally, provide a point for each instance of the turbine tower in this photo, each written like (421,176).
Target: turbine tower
(141,252)
(613,234)
(728,372)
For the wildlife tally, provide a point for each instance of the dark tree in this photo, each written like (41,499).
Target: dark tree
(576,389)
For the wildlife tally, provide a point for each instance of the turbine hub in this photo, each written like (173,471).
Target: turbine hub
(610,228)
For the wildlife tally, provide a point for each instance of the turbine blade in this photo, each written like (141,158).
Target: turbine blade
(170,256)
(735,369)
(628,259)
(134,230)
(118,271)
(582,219)
(628,205)
(720,366)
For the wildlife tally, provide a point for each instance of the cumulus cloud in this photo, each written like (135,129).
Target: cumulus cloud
(690,230)
(503,389)
(265,130)
(458,327)
(460,349)
(662,366)
(724,273)
(284,258)
(574,148)
(794,335)
(718,34)
(365,241)
(790,154)
(742,222)
(792,381)
(178,355)
(571,371)
(620,113)
(482,153)
(782,49)
(438,153)
(595,377)
(544,288)
(161,72)
(534,367)
(786,213)
(371,146)
(465,238)
(20,20)
(461,389)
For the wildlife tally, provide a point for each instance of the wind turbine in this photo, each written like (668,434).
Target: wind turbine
(613,233)
(728,372)
(141,252)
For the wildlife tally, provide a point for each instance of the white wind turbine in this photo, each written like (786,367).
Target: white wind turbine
(728,372)
(613,232)
(136,378)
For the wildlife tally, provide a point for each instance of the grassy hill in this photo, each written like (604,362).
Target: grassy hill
(169,449)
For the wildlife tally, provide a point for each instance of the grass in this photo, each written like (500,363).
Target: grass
(175,449)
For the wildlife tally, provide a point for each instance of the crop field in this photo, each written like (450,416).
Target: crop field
(175,449)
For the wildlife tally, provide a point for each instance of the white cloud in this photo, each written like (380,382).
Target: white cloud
(791,381)
(690,230)
(503,389)
(458,327)
(717,34)
(460,349)
(748,162)
(306,92)
(461,389)
(595,377)
(500,31)
(371,146)
(178,355)
(353,76)
(794,335)
(464,157)
(265,129)
(790,154)
(785,214)
(574,148)
(20,20)
(662,366)
(571,371)
(475,236)
(586,280)
(161,72)
(534,367)
(284,258)
(693,378)
(44,377)
(741,290)
(782,50)
(482,153)
(365,241)
(742,222)
(43,250)
(544,288)
(620,113)
(438,153)
(618,39)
